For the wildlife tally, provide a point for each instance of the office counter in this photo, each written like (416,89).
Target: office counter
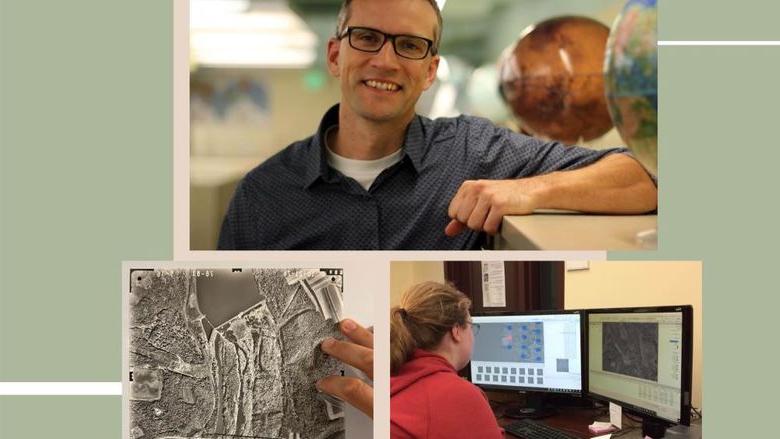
(558,230)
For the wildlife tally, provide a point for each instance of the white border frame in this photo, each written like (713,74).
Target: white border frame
(181,127)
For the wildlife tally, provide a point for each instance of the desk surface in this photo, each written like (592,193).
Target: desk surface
(573,231)
(575,421)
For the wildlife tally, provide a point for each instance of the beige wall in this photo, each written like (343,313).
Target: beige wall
(405,274)
(296,110)
(646,283)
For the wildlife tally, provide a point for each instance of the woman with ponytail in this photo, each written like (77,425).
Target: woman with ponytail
(430,340)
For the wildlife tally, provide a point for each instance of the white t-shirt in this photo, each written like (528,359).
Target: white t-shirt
(363,171)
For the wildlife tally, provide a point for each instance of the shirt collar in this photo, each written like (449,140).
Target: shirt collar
(414,143)
(317,165)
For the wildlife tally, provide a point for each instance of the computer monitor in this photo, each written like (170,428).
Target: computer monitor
(641,359)
(533,351)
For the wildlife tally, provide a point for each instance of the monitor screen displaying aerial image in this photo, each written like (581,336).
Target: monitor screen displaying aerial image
(636,359)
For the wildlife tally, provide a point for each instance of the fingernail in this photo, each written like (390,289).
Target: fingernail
(317,385)
(348,325)
(328,342)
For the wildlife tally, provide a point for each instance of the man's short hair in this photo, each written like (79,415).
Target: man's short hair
(344,14)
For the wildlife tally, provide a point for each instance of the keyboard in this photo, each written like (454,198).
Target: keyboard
(530,429)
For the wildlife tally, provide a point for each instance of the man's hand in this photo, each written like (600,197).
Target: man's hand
(481,204)
(358,353)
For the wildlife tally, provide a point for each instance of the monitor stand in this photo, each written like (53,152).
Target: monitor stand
(654,428)
(534,408)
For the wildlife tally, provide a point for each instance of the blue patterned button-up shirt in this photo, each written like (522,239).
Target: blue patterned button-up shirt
(294,200)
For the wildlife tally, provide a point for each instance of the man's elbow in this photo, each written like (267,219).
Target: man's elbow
(641,192)
(644,189)
(647,196)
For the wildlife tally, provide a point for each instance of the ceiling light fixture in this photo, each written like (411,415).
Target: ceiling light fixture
(240,34)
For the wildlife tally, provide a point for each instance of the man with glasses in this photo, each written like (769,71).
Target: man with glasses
(378,176)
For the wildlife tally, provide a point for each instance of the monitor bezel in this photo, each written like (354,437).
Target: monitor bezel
(583,355)
(687,360)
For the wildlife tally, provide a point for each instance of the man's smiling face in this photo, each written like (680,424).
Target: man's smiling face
(383,86)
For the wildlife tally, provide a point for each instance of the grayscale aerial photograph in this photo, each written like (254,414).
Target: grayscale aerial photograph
(631,348)
(232,353)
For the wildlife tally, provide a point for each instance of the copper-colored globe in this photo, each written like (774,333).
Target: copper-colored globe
(552,79)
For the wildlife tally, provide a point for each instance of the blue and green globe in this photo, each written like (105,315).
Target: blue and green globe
(631,79)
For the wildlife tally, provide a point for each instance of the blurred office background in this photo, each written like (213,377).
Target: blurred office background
(258,80)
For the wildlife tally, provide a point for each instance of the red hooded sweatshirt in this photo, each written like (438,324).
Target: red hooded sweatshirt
(428,400)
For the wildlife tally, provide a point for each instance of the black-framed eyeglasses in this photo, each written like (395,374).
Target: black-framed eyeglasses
(370,40)
(474,327)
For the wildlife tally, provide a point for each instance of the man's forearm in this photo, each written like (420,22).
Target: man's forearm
(615,184)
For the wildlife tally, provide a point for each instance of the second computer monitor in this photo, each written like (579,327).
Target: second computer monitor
(538,351)
(641,359)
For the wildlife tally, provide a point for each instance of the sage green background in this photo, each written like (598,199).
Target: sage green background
(86,177)
(86,182)
(718,20)
(82,417)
